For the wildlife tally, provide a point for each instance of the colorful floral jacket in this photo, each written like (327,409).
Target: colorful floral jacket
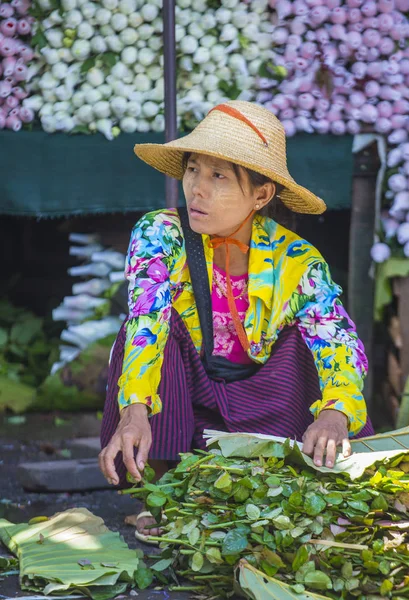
(289,284)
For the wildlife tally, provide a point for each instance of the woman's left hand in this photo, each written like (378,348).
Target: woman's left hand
(324,435)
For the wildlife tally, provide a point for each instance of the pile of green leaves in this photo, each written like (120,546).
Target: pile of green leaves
(321,532)
(28,346)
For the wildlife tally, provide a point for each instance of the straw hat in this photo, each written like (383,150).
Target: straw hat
(243,133)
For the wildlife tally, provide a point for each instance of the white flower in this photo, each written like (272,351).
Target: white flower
(119,22)
(143,126)
(154,72)
(129,55)
(106,30)
(114,43)
(223,15)
(67,5)
(196,78)
(49,96)
(127,7)
(81,49)
(73,18)
(150,109)
(59,70)
(92,96)
(89,9)
(254,66)
(46,109)
(237,63)
(50,54)
(145,31)
(128,124)
(146,57)
(217,53)
(45,4)
(54,37)
(158,92)
(180,33)
(251,52)
(120,71)
(85,114)
(47,81)
(133,108)
(35,103)
(245,82)
(110,4)
(48,123)
(184,3)
(85,31)
(210,67)
(155,43)
(201,56)
(63,92)
(102,16)
(239,18)
(118,106)
(186,63)
(208,41)
(104,126)
(78,98)
(229,33)
(189,45)
(55,18)
(128,36)
(135,20)
(403,233)
(105,90)
(380,252)
(215,97)
(95,77)
(102,109)
(195,30)
(98,44)
(158,123)
(232,3)
(149,12)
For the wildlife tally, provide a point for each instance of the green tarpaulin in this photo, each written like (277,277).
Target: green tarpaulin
(43,175)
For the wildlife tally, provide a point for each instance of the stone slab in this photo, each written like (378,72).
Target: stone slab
(61,476)
(87,447)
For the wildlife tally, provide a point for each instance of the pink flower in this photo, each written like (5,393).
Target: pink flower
(353,127)
(322,35)
(300,9)
(385,22)
(369,8)
(7,47)
(399,136)
(2,120)
(20,72)
(280,35)
(9,64)
(306,101)
(281,101)
(13,123)
(339,15)
(357,99)
(359,69)
(6,11)
(398,121)
(289,128)
(8,28)
(11,101)
(287,114)
(319,14)
(19,92)
(308,50)
(402,5)
(386,6)
(397,182)
(354,3)
(386,46)
(401,107)
(383,125)
(283,9)
(26,53)
(373,54)
(321,126)
(369,113)
(354,39)
(338,128)
(338,32)
(404,66)
(344,50)
(5,89)
(372,89)
(21,6)
(23,27)
(354,15)
(26,115)
(388,93)
(303,124)
(371,38)
(294,40)
(385,109)
(333,3)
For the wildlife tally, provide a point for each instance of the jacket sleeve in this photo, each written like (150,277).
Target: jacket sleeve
(155,242)
(331,336)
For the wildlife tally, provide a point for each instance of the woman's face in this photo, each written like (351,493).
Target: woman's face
(216,203)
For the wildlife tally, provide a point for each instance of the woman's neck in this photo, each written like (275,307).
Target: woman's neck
(238,260)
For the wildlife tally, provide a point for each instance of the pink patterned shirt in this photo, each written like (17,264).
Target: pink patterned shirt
(226,341)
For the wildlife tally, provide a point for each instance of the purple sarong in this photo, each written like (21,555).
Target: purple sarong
(274,401)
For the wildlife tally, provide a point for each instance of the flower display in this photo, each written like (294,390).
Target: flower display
(101,63)
(346,65)
(15,56)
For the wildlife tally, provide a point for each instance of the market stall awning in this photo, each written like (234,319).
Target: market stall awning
(43,175)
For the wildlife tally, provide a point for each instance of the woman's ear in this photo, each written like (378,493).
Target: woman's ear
(265,194)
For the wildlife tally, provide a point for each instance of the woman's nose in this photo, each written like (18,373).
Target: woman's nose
(199,186)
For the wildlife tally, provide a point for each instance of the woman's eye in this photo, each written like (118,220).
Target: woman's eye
(191,169)
(219,176)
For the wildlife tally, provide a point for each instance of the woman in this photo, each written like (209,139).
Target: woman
(283,357)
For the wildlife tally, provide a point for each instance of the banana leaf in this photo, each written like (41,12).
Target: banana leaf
(73,551)
(258,586)
(367,451)
(15,395)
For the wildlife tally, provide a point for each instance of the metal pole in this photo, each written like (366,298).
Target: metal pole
(169,53)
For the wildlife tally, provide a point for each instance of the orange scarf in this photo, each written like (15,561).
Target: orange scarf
(216,243)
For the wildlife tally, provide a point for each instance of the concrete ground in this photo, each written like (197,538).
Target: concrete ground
(42,437)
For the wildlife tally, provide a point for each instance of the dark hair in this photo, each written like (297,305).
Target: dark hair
(275,209)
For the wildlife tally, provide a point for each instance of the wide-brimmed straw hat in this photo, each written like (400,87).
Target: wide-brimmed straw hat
(243,133)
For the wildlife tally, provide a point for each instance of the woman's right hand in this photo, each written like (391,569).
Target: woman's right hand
(133,431)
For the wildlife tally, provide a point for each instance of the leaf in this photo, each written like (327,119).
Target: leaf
(282,522)
(163,564)
(156,500)
(223,482)
(318,580)
(197,561)
(15,396)
(88,64)
(258,586)
(23,333)
(234,542)
(214,556)
(109,59)
(314,505)
(194,536)
(3,337)
(77,537)
(143,578)
(335,498)
(300,558)
(253,512)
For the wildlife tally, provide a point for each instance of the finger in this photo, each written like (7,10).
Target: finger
(128,445)
(331,453)
(319,450)
(346,447)
(143,452)
(309,440)
(109,456)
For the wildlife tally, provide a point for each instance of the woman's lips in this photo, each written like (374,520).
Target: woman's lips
(196,212)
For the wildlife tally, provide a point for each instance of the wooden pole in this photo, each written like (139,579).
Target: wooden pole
(169,52)
(360,284)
